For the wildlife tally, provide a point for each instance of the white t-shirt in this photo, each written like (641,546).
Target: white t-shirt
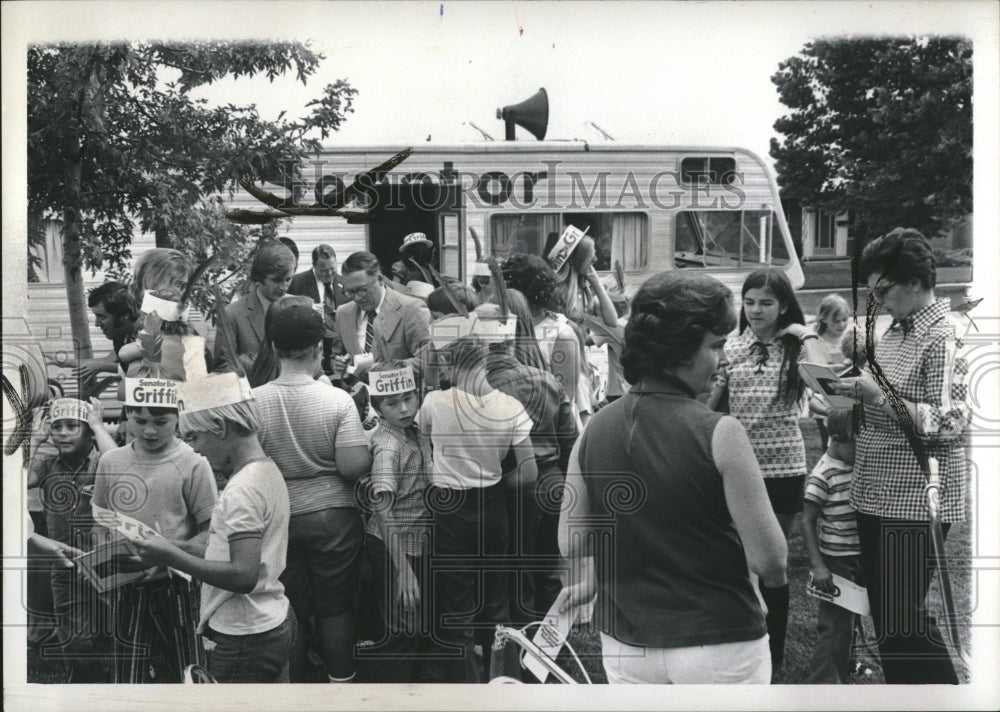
(253,504)
(471,435)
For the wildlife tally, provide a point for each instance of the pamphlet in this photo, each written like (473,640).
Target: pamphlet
(846,594)
(551,635)
(819,378)
(98,567)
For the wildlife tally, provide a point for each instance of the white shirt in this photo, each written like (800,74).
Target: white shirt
(363,322)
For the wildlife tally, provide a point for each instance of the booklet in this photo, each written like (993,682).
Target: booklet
(846,594)
(819,378)
(99,568)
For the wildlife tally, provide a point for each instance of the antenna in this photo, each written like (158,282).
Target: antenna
(601,131)
(485,135)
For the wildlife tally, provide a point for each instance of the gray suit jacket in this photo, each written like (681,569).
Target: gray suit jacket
(245,319)
(402,321)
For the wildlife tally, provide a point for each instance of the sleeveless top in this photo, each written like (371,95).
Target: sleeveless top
(671,569)
(555,326)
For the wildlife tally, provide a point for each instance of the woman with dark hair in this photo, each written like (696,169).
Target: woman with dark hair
(676,602)
(765,393)
(561,345)
(914,396)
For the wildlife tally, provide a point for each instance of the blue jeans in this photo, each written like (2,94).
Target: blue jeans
(835,629)
(258,657)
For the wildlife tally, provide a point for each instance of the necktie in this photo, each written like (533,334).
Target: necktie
(328,300)
(370,330)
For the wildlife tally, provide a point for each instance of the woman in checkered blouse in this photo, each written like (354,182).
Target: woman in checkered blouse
(765,391)
(914,394)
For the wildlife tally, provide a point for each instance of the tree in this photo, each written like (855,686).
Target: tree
(116,142)
(881,128)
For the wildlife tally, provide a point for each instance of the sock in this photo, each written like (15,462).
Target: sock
(341,680)
(777,620)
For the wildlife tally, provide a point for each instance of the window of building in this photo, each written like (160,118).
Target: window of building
(621,237)
(703,169)
(46,249)
(728,238)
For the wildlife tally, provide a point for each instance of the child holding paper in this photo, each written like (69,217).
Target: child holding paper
(243,605)
(836,550)
(397,535)
(74,427)
(164,484)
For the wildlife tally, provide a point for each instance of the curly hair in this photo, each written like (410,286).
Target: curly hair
(901,255)
(532,276)
(671,314)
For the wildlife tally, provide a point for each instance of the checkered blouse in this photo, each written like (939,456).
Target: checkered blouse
(924,367)
(771,424)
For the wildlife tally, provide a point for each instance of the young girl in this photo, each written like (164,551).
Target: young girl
(764,394)
(830,324)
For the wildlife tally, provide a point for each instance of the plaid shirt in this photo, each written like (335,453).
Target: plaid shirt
(924,367)
(401,466)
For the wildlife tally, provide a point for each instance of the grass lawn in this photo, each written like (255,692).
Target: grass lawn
(802,613)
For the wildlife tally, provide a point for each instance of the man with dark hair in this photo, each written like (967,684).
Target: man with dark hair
(378,324)
(324,286)
(114,315)
(271,271)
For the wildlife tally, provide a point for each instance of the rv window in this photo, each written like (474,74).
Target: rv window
(728,238)
(701,170)
(621,237)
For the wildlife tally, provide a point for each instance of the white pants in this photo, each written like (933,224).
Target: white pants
(726,663)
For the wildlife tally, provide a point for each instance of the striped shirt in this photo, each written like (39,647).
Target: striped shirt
(829,486)
(303,422)
(402,466)
(771,424)
(924,367)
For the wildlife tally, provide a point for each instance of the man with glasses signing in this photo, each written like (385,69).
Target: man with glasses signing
(378,324)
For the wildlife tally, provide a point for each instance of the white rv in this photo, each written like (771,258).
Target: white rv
(651,208)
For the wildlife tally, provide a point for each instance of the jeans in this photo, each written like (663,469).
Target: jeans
(896,556)
(835,629)
(470,528)
(258,657)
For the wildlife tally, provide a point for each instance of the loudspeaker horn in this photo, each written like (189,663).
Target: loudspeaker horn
(531,114)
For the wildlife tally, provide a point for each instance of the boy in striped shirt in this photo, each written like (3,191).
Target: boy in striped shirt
(836,550)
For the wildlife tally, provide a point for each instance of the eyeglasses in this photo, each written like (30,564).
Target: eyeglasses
(360,291)
(882,289)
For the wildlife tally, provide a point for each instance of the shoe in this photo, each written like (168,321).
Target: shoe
(859,668)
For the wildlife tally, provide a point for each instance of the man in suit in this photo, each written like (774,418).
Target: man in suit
(271,272)
(324,286)
(378,323)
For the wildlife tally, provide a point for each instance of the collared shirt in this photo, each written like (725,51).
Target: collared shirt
(363,320)
(61,488)
(755,369)
(925,367)
(402,467)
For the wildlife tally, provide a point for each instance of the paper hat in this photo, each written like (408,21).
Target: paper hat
(151,392)
(414,238)
(391,383)
(212,392)
(568,241)
(449,329)
(418,289)
(165,309)
(481,269)
(68,409)
(493,327)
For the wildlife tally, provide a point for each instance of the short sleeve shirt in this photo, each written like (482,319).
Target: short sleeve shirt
(771,424)
(829,487)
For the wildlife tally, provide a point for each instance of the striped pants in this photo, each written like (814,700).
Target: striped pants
(155,626)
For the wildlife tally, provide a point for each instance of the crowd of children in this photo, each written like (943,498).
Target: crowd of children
(258,507)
